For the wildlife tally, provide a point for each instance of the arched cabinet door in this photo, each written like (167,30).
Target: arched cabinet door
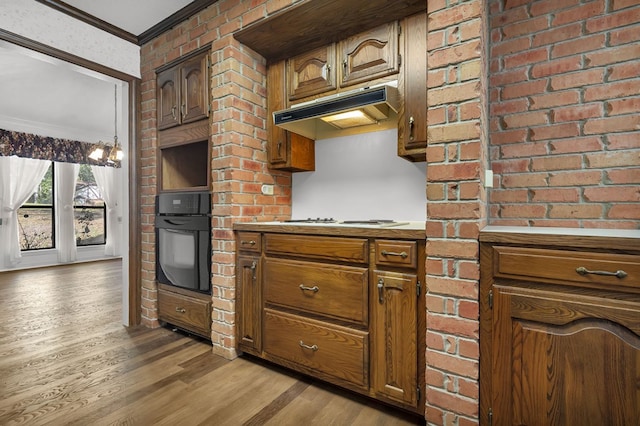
(168,98)
(195,89)
(565,359)
(312,72)
(369,55)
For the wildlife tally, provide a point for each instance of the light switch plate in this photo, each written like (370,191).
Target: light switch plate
(488,179)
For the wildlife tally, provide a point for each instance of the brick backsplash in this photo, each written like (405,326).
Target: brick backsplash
(565,104)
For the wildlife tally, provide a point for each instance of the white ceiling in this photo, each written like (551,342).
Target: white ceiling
(133,16)
(43,95)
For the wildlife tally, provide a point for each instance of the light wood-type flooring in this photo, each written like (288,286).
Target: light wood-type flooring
(65,359)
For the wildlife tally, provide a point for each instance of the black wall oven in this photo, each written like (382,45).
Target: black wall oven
(183,240)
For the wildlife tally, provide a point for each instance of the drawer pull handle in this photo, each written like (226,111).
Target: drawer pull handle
(251,243)
(403,254)
(314,289)
(181,310)
(618,274)
(313,347)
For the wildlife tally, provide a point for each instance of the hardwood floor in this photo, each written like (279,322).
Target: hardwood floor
(65,359)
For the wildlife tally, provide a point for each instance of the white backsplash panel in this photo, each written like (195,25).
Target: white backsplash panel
(361,177)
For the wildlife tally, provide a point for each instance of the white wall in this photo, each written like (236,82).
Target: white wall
(361,177)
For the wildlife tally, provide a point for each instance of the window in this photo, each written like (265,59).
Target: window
(89,210)
(36,217)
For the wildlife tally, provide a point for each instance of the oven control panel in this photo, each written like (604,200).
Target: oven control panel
(183,203)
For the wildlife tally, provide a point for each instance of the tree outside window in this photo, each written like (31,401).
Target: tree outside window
(36,217)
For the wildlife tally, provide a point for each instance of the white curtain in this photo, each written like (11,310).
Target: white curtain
(109,180)
(19,177)
(65,177)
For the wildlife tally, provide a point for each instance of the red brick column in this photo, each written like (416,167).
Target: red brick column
(456,206)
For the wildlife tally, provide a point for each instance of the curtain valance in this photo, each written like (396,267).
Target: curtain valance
(28,145)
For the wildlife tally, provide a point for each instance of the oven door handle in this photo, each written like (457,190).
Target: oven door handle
(176,222)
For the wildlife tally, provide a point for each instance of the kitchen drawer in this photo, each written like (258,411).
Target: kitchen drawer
(190,313)
(249,242)
(327,248)
(334,290)
(397,253)
(338,352)
(568,267)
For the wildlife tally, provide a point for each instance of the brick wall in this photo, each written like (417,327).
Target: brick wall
(456,206)
(238,145)
(565,113)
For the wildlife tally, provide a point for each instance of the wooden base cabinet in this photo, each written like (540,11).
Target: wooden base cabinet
(560,330)
(249,293)
(347,310)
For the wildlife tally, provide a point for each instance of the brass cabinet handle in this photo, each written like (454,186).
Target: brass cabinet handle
(312,347)
(344,67)
(181,310)
(251,243)
(254,266)
(411,125)
(380,290)
(618,274)
(173,112)
(314,289)
(403,254)
(182,114)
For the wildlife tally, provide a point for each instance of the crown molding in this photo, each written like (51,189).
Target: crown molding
(185,13)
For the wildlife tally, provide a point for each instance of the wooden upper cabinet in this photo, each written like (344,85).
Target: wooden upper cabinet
(276,92)
(183,92)
(369,55)
(412,85)
(286,150)
(168,98)
(312,72)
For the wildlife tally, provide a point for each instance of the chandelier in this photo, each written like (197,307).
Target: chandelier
(105,153)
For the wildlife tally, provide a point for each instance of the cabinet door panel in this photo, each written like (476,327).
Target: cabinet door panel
(565,358)
(312,72)
(249,303)
(168,99)
(369,55)
(412,84)
(395,352)
(195,90)
(278,142)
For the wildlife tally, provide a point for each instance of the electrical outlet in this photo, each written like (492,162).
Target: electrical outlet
(267,189)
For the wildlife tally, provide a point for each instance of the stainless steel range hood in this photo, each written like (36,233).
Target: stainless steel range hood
(358,111)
